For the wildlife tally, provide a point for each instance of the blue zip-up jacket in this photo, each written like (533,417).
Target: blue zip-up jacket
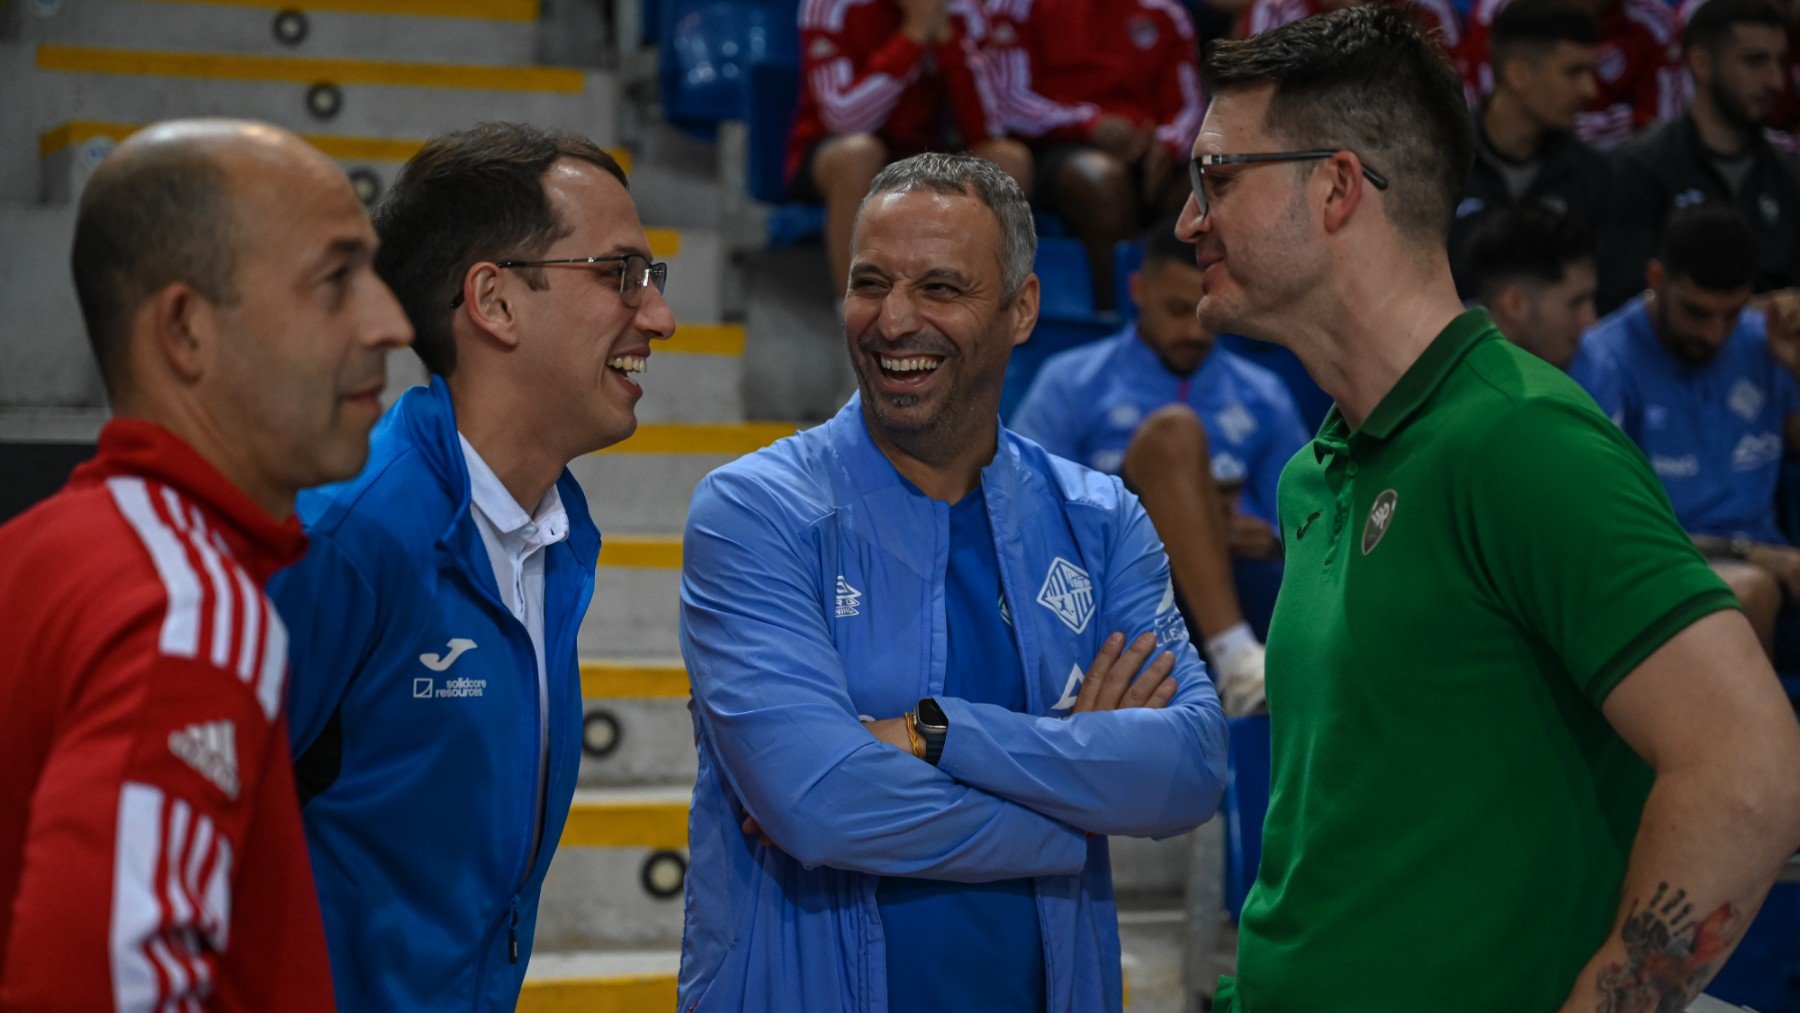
(812,593)
(417,761)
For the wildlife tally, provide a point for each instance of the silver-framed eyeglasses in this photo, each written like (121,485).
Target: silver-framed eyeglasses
(636,273)
(1197,169)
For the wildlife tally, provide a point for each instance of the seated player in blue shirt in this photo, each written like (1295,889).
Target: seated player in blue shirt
(1708,392)
(1200,433)
(1533,269)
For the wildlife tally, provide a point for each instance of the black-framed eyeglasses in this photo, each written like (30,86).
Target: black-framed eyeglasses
(1197,169)
(636,273)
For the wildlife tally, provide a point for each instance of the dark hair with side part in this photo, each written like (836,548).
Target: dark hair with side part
(1526,243)
(1162,245)
(158,215)
(1711,25)
(1366,79)
(469,196)
(1710,244)
(1530,29)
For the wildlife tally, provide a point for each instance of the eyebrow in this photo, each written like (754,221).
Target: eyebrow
(345,248)
(627,249)
(946,274)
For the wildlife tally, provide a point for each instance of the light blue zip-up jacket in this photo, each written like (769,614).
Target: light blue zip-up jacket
(413,709)
(812,594)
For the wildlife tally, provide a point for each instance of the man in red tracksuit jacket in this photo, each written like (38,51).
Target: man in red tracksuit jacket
(880,81)
(1108,94)
(1640,75)
(151,852)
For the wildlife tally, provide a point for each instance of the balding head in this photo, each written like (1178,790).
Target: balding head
(167,206)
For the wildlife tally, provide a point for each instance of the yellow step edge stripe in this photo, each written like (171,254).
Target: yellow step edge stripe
(704,339)
(664,243)
(733,438)
(605,680)
(485,10)
(641,552)
(91,60)
(623,994)
(339,146)
(662,826)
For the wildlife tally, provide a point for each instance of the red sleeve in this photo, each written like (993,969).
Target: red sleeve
(1014,49)
(854,96)
(1180,104)
(136,841)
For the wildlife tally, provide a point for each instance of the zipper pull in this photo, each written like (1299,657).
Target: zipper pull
(512,938)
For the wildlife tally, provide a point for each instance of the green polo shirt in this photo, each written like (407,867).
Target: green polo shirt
(1468,575)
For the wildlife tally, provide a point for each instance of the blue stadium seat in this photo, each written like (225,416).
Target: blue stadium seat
(1052,336)
(1068,286)
(707,48)
(1246,803)
(1128,256)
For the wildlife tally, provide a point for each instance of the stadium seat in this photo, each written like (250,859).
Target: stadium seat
(1052,336)
(1068,286)
(707,48)
(1246,803)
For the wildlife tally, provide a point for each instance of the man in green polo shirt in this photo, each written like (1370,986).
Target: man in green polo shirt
(1528,756)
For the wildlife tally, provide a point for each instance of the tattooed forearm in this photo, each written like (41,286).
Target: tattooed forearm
(1669,955)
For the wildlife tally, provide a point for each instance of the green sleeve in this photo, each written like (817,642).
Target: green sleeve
(1575,536)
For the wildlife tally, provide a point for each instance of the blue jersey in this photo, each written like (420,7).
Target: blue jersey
(1597,374)
(968,945)
(1713,433)
(1087,402)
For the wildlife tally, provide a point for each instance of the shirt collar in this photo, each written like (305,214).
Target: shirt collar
(490,496)
(140,447)
(1420,381)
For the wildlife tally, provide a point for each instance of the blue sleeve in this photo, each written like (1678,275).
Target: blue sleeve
(1137,772)
(1287,435)
(332,616)
(1047,414)
(773,702)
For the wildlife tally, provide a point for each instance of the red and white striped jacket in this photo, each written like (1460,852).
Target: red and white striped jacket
(1640,75)
(151,851)
(861,74)
(1063,64)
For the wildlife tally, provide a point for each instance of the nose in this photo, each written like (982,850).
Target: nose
(1192,223)
(387,323)
(654,317)
(899,314)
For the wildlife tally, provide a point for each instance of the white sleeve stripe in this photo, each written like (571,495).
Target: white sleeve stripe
(270,682)
(180,636)
(223,597)
(138,983)
(247,644)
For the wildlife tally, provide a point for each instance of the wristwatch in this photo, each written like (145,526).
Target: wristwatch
(931,725)
(1740,547)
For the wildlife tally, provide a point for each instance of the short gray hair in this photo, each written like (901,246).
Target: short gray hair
(962,174)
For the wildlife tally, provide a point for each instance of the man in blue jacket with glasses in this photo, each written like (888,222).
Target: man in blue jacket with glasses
(435,701)
(934,667)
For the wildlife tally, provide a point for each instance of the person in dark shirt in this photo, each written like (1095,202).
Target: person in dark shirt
(1716,151)
(1544,54)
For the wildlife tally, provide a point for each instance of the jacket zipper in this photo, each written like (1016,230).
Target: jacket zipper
(512,934)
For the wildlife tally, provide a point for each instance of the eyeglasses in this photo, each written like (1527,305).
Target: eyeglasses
(1197,170)
(636,274)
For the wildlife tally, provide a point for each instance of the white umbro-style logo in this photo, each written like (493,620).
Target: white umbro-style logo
(849,599)
(1381,516)
(1068,591)
(211,749)
(438,663)
(1746,400)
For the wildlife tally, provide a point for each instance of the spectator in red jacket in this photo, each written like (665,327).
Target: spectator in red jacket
(880,81)
(1108,93)
(1639,71)
(151,853)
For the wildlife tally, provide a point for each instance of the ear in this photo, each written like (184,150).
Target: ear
(1343,172)
(1135,285)
(1024,310)
(1700,64)
(488,303)
(1509,302)
(1507,74)
(183,329)
(1655,275)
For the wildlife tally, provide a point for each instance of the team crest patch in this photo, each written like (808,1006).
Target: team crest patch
(1746,400)
(1770,208)
(1381,517)
(1069,592)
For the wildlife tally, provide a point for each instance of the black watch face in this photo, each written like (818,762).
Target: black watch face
(931,714)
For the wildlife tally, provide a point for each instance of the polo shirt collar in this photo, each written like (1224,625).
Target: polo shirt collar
(523,531)
(1416,386)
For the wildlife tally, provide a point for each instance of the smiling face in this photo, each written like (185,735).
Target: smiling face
(1167,294)
(300,366)
(579,342)
(1256,247)
(928,330)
